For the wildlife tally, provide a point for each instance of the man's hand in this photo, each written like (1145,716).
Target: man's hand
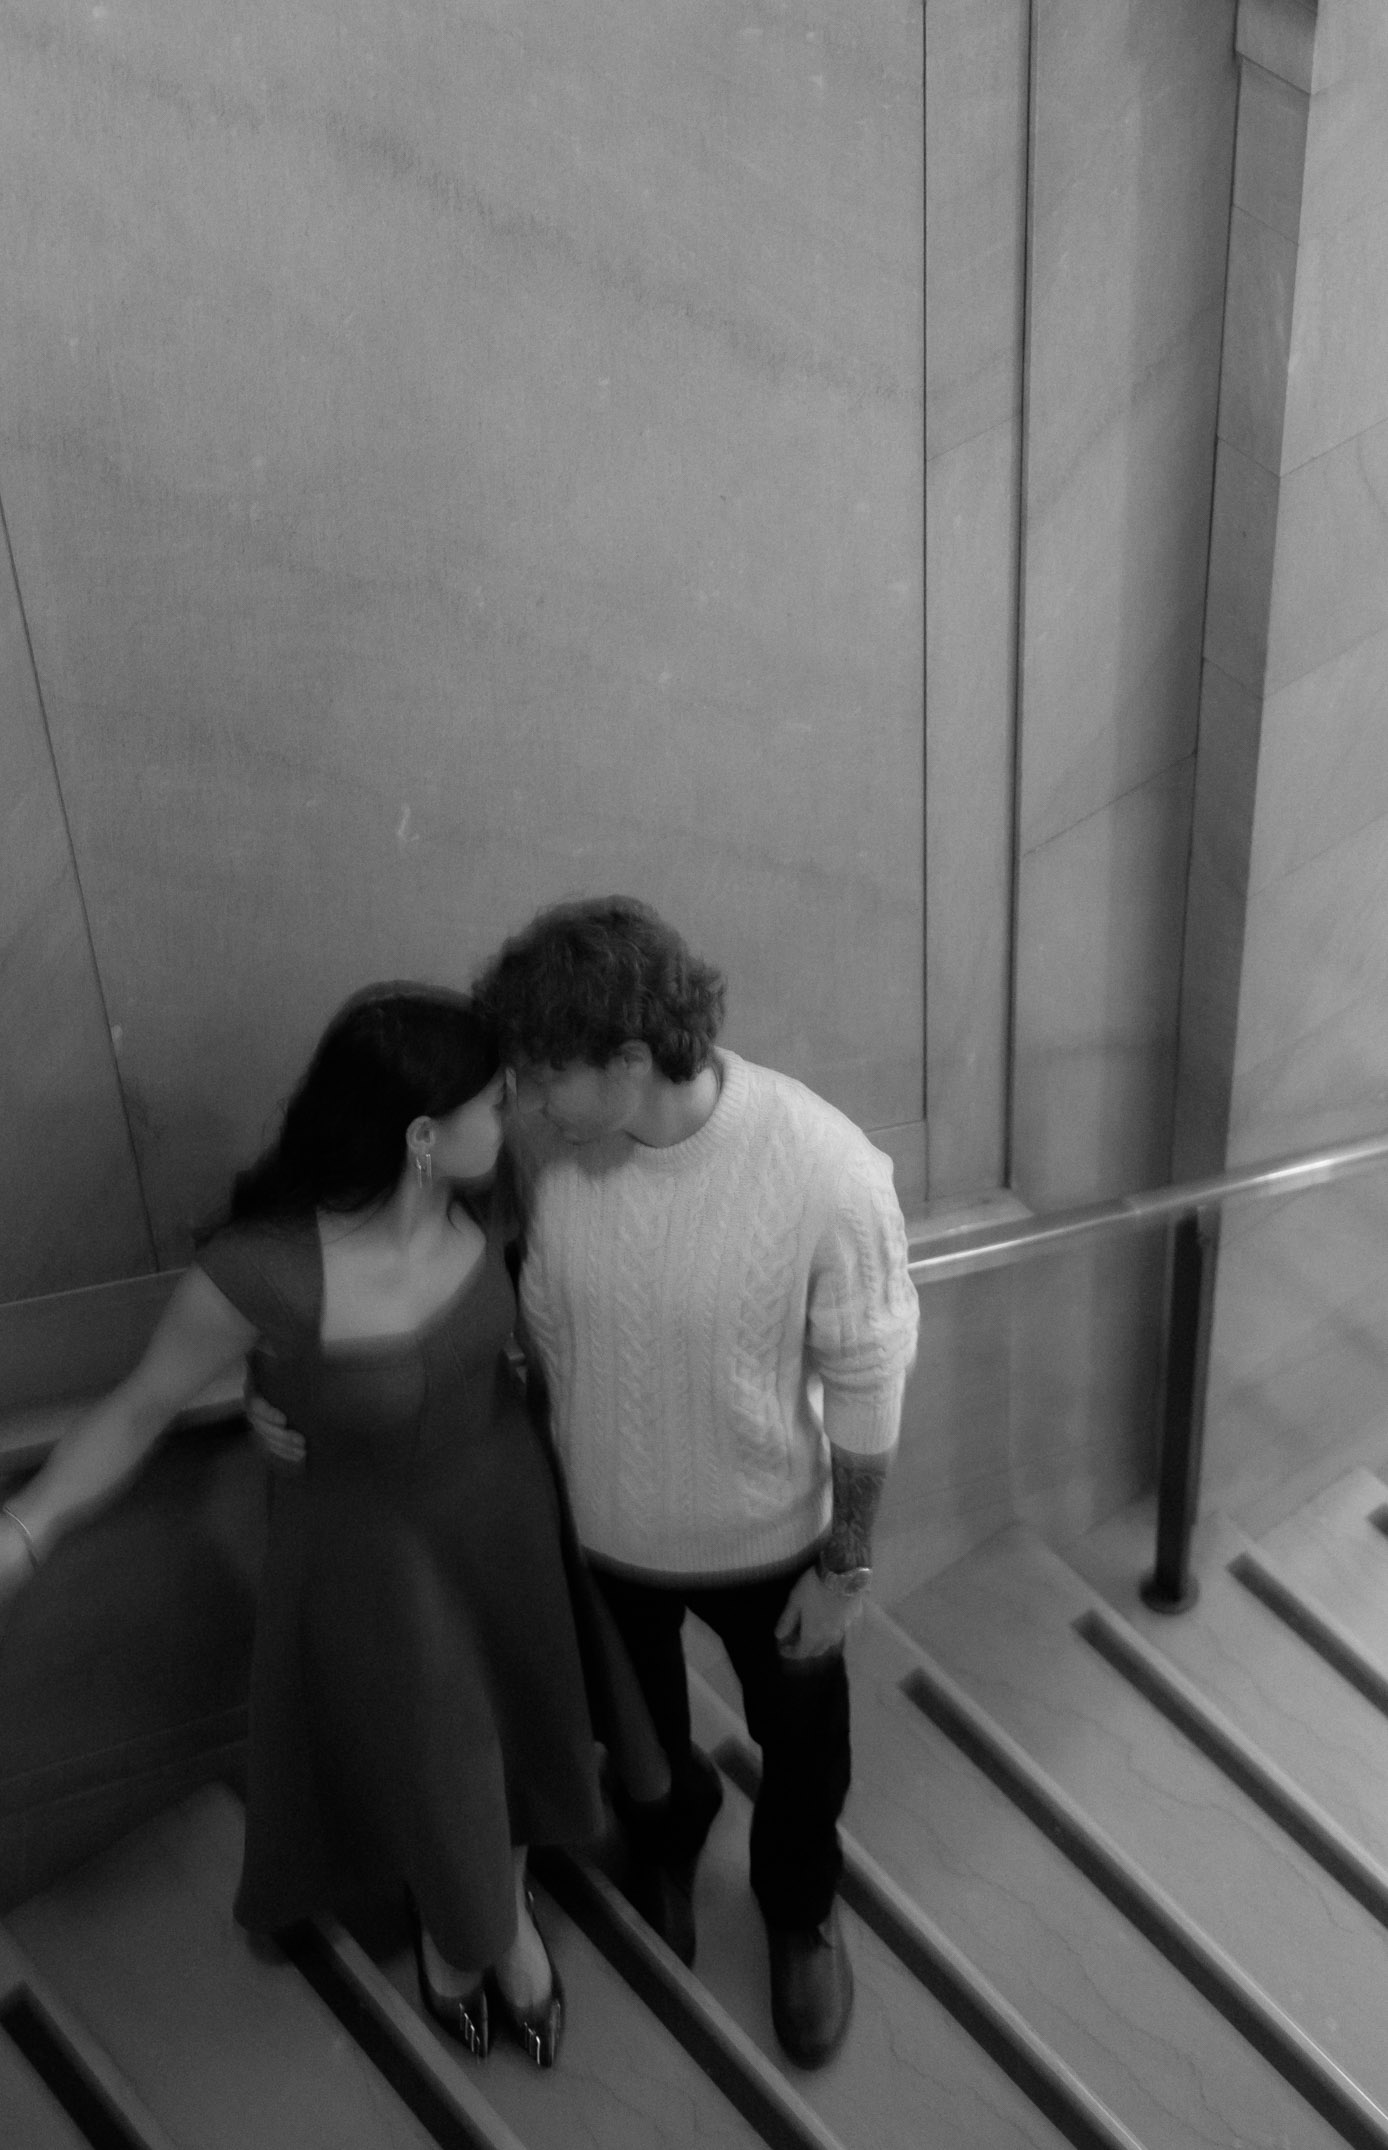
(280,1444)
(815,1620)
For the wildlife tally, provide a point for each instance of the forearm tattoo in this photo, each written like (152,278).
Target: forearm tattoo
(858,1483)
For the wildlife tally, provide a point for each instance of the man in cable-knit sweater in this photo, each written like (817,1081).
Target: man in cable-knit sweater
(715,1285)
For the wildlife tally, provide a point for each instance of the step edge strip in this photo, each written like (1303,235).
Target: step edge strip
(1313,2072)
(19,1976)
(900,1923)
(1244,1762)
(395,2016)
(750,2082)
(1312,1621)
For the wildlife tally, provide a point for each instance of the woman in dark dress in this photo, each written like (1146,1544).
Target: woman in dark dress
(418,1709)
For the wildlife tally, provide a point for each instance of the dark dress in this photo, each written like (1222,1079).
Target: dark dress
(417,1696)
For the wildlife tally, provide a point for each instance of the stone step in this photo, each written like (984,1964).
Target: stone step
(1151,2048)
(907,2066)
(1311,1957)
(224,2042)
(1259,1671)
(1332,1550)
(189,2017)
(624,2081)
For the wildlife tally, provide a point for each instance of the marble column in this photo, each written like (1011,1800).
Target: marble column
(1078,175)
(976,102)
(1285,1034)
(1131,152)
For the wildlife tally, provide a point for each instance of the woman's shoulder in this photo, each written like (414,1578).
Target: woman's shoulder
(268,1269)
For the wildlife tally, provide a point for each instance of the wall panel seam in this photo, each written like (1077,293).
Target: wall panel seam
(77,881)
(1019,602)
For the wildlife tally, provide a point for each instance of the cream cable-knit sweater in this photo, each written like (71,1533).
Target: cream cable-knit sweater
(710,1317)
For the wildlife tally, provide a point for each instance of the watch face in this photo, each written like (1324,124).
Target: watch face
(845,1582)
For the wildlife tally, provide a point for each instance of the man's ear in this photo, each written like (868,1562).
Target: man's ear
(635,1056)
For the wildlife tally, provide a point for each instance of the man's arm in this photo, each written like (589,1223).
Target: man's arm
(829,1596)
(861,1338)
(858,1483)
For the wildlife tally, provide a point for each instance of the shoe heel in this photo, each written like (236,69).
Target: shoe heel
(537,2031)
(465,2016)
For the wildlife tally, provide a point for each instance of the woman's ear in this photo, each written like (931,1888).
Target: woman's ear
(419,1136)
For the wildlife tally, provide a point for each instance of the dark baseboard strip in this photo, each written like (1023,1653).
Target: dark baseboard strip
(398,2044)
(28,1438)
(1244,1764)
(147,1755)
(747,2079)
(78,2074)
(57,2067)
(1318,1629)
(1210,1970)
(66,1345)
(959,1986)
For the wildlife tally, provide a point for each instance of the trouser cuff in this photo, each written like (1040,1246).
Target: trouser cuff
(672,1830)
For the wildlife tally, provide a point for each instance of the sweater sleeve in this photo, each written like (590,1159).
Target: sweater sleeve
(863,1310)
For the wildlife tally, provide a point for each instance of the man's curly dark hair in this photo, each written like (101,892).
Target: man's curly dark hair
(586,978)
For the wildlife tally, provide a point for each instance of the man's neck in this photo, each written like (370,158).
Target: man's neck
(671,1112)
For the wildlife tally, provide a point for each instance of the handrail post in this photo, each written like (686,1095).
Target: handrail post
(1171,1588)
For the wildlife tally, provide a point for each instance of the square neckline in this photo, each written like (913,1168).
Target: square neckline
(393,1341)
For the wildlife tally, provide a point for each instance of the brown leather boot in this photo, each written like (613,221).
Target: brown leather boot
(811,1989)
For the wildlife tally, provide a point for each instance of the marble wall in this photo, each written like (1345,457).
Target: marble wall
(458,456)
(453,469)
(1295,788)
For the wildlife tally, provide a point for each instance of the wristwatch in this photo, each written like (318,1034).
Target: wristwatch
(844,1582)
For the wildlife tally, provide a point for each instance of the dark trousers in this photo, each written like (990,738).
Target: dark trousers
(797,1712)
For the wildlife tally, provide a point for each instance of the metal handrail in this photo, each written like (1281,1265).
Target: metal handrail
(1195,1210)
(994,1246)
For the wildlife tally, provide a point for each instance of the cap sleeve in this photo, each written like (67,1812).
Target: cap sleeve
(267,1276)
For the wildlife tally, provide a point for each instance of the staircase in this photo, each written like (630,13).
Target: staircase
(1113,1880)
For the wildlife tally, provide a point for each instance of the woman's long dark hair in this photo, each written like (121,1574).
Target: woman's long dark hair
(390,1053)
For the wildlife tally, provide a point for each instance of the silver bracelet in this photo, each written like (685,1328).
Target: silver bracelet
(22,1527)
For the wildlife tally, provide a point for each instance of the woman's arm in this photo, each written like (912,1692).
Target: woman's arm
(200,1336)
